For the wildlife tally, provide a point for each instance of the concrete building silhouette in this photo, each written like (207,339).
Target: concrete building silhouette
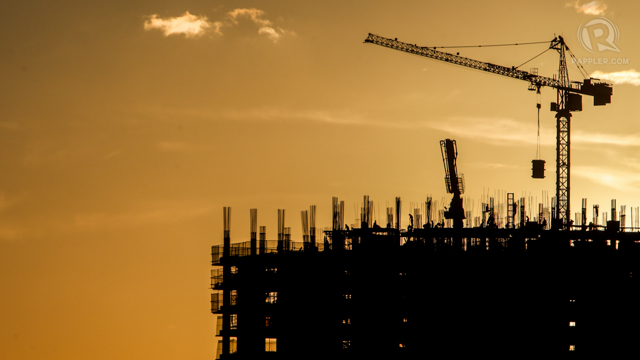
(426,291)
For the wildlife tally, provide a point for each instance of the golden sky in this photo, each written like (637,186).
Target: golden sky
(126,126)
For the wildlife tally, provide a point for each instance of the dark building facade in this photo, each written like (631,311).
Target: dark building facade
(429,292)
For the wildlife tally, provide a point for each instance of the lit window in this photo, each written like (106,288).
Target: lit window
(234,297)
(572,323)
(346,321)
(272,269)
(404,320)
(233,345)
(272,297)
(572,300)
(270,344)
(401,345)
(268,321)
(572,348)
(347,296)
(346,344)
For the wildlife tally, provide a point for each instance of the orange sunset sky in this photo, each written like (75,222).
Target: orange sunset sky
(126,127)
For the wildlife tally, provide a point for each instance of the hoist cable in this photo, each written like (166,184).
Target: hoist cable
(538,96)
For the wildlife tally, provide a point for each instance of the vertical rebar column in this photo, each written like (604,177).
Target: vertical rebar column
(335,214)
(254,230)
(510,211)
(596,210)
(226,274)
(280,230)
(523,214)
(287,238)
(398,211)
(226,251)
(312,226)
(554,213)
(304,216)
(263,239)
(540,213)
(623,217)
(341,216)
(584,213)
(614,216)
(364,213)
(337,237)
(417,217)
(389,217)
(492,211)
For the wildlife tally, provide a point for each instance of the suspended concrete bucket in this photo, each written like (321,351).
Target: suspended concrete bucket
(537,168)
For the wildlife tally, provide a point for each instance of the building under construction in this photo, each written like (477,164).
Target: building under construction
(392,293)
(510,286)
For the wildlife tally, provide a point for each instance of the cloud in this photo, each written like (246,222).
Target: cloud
(254,14)
(627,181)
(592,8)
(627,140)
(508,131)
(193,26)
(619,77)
(270,32)
(496,130)
(187,24)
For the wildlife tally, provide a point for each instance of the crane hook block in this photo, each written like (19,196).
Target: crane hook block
(537,167)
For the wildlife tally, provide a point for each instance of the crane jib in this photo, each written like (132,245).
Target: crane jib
(600,91)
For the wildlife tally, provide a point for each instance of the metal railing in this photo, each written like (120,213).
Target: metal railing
(216,278)
(216,302)
(264,247)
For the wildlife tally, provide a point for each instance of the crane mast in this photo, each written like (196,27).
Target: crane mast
(569,98)
(563,140)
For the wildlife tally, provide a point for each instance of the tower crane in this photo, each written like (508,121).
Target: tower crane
(569,99)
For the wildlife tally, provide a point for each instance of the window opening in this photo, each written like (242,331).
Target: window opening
(270,344)
(272,297)
(234,321)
